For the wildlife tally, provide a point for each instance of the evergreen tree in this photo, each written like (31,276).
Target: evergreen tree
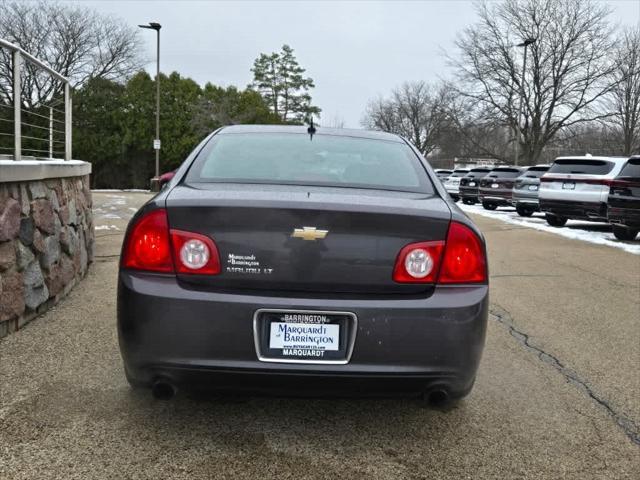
(280,80)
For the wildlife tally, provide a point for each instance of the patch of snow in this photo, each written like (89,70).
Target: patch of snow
(106,227)
(592,232)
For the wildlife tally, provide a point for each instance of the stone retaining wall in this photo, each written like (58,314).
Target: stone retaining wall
(46,245)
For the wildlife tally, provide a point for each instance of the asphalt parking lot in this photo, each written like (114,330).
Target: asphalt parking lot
(556,396)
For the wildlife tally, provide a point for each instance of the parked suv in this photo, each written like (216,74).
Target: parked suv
(623,205)
(452,184)
(495,188)
(469,184)
(525,190)
(577,188)
(443,174)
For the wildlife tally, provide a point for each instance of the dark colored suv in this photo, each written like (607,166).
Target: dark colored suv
(469,184)
(525,190)
(623,205)
(495,188)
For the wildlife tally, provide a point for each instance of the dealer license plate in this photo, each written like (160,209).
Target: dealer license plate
(569,185)
(303,336)
(472,184)
(533,187)
(494,185)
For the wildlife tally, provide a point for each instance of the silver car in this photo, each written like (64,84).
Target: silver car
(525,191)
(578,188)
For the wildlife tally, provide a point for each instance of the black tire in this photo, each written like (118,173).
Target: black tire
(524,211)
(489,205)
(555,221)
(468,201)
(624,233)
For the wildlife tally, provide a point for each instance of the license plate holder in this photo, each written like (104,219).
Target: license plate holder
(568,185)
(304,336)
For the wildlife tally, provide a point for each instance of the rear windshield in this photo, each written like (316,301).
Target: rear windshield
(477,173)
(505,173)
(591,167)
(631,169)
(536,172)
(295,159)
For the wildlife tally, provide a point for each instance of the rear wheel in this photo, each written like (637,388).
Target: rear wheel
(555,221)
(524,211)
(489,206)
(624,233)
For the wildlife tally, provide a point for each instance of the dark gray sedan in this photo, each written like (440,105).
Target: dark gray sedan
(326,264)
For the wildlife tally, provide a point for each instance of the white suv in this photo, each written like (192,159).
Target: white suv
(577,188)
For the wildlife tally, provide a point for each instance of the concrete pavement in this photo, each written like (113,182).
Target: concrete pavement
(555,396)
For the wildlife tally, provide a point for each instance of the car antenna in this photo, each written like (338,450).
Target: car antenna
(312,129)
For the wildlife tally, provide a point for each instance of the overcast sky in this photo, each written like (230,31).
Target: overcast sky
(354,50)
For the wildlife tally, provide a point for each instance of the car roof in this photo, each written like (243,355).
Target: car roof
(302,129)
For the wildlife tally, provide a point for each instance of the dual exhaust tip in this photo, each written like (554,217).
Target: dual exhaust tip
(163,389)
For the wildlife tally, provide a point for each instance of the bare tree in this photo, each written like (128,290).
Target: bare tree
(624,100)
(75,41)
(414,110)
(337,121)
(568,71)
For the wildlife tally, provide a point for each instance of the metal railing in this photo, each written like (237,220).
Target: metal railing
(41,126)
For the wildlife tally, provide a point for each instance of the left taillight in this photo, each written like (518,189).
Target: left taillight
(152,246)
(194,253)
(148,246)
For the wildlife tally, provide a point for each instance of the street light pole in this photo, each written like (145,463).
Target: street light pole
(524,44)
(156,144)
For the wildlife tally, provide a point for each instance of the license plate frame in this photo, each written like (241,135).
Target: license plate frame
(264,317)
(568,185)
(495,185)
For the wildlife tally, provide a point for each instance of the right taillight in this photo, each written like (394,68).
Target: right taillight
(459,259)
(464,258)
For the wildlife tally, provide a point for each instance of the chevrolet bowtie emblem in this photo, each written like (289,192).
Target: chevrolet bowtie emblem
(309,233)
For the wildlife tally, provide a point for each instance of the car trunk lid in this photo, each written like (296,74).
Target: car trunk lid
(313,239)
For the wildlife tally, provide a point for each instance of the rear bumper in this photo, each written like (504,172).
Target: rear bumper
(499,198)
(594,211)
(624,216)
(402,345)
(470,193)
(523,196)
